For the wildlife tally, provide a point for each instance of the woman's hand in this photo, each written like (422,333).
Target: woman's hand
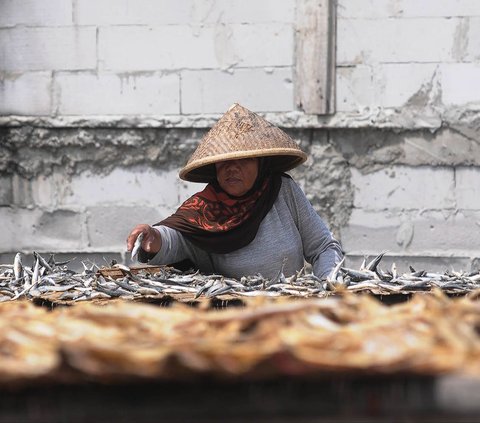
(152,241)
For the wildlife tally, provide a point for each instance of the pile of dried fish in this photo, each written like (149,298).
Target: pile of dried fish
(370,277)
(430,334)
(51,280)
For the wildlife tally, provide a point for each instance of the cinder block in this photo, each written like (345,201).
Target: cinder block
(108,227)
(33,12)
(164,12)
(16,228)
(402,187)
(251,11)
(460,83)
(467,183)
(367,9)
(269,44)
(399,84)
(34,229)
(444,147)
(55,48)
(370,232)
(354,88)
(365,41)
(406,8)
(6,191)
(44,191)
(139,187)
(149,188)
(130,48)
(59,230)
(21,191)
(215,91)
(473,38)
(28,93)
(434,233)
(447,8)
(110,94)
(443,233)
(131,12)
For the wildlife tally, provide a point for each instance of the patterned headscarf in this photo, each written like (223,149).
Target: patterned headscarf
(217,222)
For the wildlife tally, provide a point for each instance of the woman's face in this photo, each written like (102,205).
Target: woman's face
(237,177)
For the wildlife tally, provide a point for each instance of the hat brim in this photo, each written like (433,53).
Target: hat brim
(281,160)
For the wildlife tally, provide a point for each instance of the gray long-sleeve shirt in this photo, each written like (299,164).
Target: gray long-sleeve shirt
(291,231)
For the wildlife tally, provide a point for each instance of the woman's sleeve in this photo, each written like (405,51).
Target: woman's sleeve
(174,248)
(320,248)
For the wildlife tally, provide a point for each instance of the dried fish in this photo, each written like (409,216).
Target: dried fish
(374,263)
(48,279)
(42,261)
(334,273)
(137,245)
(17,266)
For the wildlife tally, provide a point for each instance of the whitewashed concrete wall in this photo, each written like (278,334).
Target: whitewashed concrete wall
(408,54)
(87,213)
(415,64)
(164,58)
(405,133)
(145,57)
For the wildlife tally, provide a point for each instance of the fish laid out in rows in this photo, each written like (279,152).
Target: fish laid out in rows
(54,280)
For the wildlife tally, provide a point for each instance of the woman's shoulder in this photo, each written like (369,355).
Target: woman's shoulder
(287,180)
(289,186)
(291,194)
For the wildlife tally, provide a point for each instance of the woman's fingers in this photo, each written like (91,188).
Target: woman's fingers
(137,230)
(151,242)
(147,242)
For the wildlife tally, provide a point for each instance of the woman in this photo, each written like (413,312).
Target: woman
(251,218)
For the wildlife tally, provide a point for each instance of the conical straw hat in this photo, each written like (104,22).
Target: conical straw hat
(239,134)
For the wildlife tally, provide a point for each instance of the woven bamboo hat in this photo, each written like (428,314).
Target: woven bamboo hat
(240,134)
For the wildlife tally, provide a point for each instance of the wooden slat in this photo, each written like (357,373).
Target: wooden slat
(315,56)
(119,272)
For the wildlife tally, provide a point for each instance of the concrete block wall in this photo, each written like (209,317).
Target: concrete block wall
(417,59)
(415,211)
(408,54)
(91,214)
(408,67)
(145,57)
(161,58)
(413,197)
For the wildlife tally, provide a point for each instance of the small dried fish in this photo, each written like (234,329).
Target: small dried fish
(137,245)
(17,266)
(54,281)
